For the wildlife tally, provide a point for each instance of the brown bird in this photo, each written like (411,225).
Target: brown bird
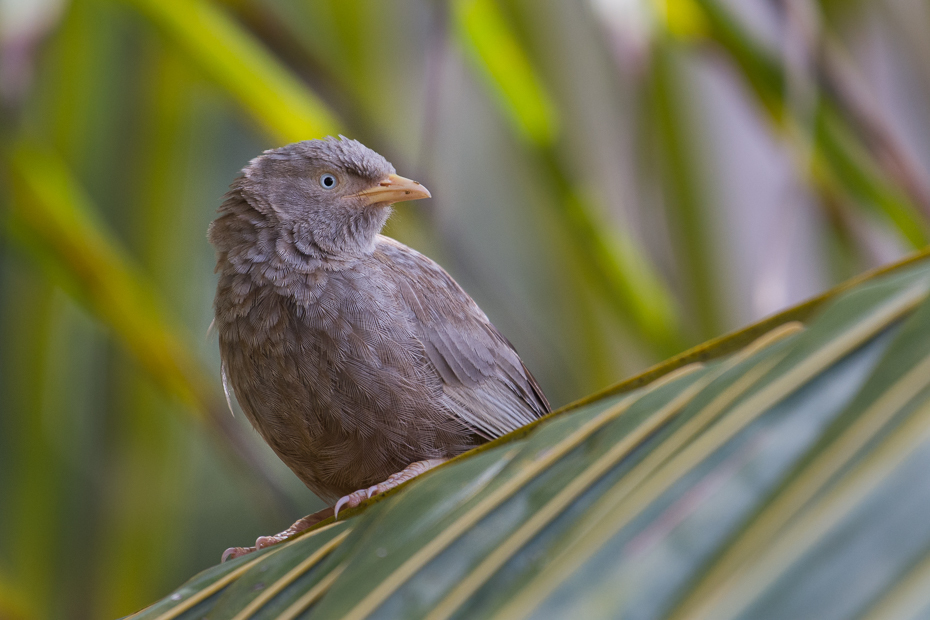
(360,361)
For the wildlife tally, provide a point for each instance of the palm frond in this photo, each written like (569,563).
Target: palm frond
(773,478)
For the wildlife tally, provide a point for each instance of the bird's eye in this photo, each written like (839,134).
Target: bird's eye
(328,181)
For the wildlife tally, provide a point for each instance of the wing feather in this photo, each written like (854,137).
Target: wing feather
(484,380)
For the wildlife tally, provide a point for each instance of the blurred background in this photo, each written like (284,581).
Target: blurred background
(614,181)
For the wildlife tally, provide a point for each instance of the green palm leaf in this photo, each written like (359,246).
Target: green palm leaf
(779,476)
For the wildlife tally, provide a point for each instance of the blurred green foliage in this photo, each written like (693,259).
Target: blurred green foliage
(614,180)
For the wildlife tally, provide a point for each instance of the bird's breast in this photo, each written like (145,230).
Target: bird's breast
(338,352)
(337,385)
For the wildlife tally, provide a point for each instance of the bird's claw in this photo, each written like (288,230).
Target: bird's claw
(354,499)
(267,541)
(347,501)
(260,543)
(235,552)
(351,501)
(342,502)
(411,471)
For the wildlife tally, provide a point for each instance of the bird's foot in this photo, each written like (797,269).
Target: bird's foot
(411,471)
(267,541)
(349,501)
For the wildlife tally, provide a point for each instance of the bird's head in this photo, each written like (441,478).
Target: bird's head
(332,196)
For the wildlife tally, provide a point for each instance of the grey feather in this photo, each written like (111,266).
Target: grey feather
(352,354)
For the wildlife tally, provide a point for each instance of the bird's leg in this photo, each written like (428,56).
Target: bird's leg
(348,501)
(411,471)
(266,541)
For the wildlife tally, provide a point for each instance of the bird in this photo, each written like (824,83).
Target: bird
(359,360)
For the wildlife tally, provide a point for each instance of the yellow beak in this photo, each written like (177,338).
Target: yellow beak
(393,189)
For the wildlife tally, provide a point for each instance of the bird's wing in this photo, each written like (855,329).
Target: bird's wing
(484,380)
